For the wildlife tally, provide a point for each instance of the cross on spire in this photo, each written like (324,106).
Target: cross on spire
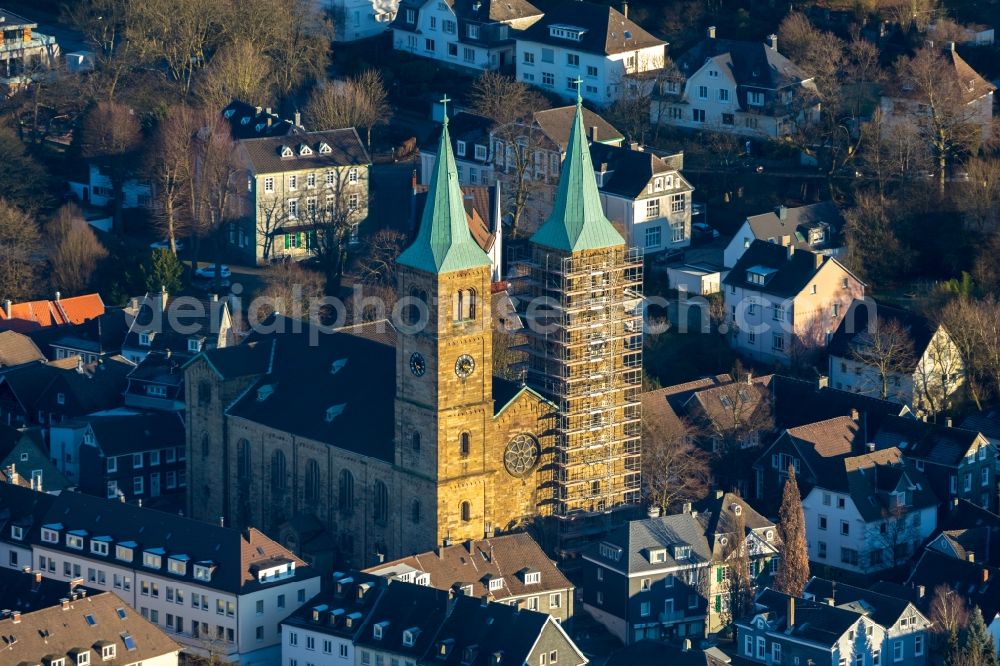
(444,103)
(579,94)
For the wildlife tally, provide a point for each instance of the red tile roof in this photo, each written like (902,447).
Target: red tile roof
(32,315)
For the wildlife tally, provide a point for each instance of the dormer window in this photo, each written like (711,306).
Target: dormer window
(460,148)
(194,345)
(410,636)
(245,120)
(657,555)
(61,398)
(532,578)
(107,652)
(444,648)
(153,558)
(682,552)
(264,392)
(324,148)
(287,152)
(259,127)
(145,339)
(123,551)
(100,545)
(17,532)
(177,564)
(203,570)
(737,509)
(50,533)
(610,551)
(378,630)
(74,539)
(496,584)
(333,412)
(566,32)
(305,150)
(759,275)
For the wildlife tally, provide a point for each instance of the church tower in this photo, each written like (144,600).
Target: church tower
(585,344)
(444,371)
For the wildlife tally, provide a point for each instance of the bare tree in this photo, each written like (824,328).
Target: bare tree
(518,140)
(212,188)
(378,266)
(939,374)
(272,215)
(739,584)
(948,612)
(171,168)
(885,346)
(974,327)
(236,72)
(873,248)
(674,469)
(111,136)
(905,13)
(360,101)
(290,290)
(74,251)
(182,33)
(20,251)
(980,195)
(112,29)
(897,535)
(298,44)
(334,225)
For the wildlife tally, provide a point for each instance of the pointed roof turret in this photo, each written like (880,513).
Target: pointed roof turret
(444,243)
(577,221)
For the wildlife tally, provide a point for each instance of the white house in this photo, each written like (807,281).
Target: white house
(744,88)
(469,34)
(97,190)
(860,355)
(215,590)
(470,144)
(359,19)
(815,227)
(595,43)
(869,512)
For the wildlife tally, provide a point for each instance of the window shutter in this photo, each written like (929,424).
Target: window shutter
(718,575)
(288,241)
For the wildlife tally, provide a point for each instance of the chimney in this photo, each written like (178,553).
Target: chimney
(871,447)
(6,307)
(750,378)
(593,133)
(121,497)
(653,512)
(986,574)
(58,295)
(781,212)
(687,645)
(947,422)
(686,508)
(818,259)
(65,603)
(604,167)
(790,251)
(921,591)
(830,601)
(222,521)
(269,121)
(822,382)
(791,611)
(15,617)
(970,556)
(298,119)
(215,297)
(711,32)
(949,46)
(719,494)
(854,415)
(267,110)
(772,42)
(38,576)
(625,9)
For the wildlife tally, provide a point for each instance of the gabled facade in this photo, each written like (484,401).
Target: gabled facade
(743,88)
(161,318)
(467,34)
(592,42)
(359,19)
(816,227)
(784,303)
(24,52)
(26,463)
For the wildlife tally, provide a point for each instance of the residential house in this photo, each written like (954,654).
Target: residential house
(297,186)
(869,512)
(817,227)
(655,653)
(252,122)
(25,461)
(987,423)
(94,187)
(32,315)
(903,103)
(157,382)
(24,590)
(359,19)
(124,453)
(612,55)
(24,52)
(974,544)
(470,136)
(86,629)
(784,304)
(215,590)
(22,512)
(912,360)
(738,87)
(907,629)
(665,577)
(96,338)
(510,569)
(958,463)
(466,34)
(330,623)
(178,327)
(798,402)
(17,349)
(645,193)
(824,633)
(409,617)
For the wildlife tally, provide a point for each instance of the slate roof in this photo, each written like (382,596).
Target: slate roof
(351,592)
(22,591)
(988,424)
(753,64)
(883,609)
(404,607)
(119,434)
(797,222)
(248,122)
(790,276)
(17,349)
(815,622)
(932,442)
(86,625)
(577,221)
(962,514)
(100,335)
(717,513)
(606,30)
(981,544)
(463,126)
(630,171)
(637,536)
(648,652)
(978,583)
(236,555)
(12,20)
(858,317)
(444,243)
(557,124)
(250,358)
(199,318)
(475,562)
(346,149)
(798,402)
(24,508)
(870,479)
(87,388)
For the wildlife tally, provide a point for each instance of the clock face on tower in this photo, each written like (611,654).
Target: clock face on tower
(464,366)
(418,366)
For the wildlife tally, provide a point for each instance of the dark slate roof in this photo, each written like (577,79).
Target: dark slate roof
(607,31)
(988,423)
(815,622)
(858,317)
(251,122)
(797,222)
(11,20)
(557,123)
(980,544)
(236,555)
(250,358)
(100,335)
(199,318)
(351,408)
(159,368)
(932,442)
(88,388)
(119,434)
(631,170)
(345,145)
(487,634)
(463,126)
(406,606)
(717,513)
(978,583)
(870,480)
(22,507)
(883,609)
(636,537)
(798,402)
(648,652)
(790,276)
(963,514)
(20,591)
(752,64)
(351,592)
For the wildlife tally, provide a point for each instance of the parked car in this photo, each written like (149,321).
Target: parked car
(702,233)
(208,272)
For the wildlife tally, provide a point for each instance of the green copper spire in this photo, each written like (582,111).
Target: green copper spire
(444,243)
(577,221)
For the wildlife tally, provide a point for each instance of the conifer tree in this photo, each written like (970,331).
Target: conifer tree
(979,648)
(793,570)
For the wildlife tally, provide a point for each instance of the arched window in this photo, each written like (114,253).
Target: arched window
(346,497)
(206,444)
(465,444)
(415,511)
(381,498)
(466,512)
(312,481)
(415,440)
(277,471)
(465,304)
(243,460)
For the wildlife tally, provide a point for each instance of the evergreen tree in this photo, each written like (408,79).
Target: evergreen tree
(793,570)
(979,649)
(163,269)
